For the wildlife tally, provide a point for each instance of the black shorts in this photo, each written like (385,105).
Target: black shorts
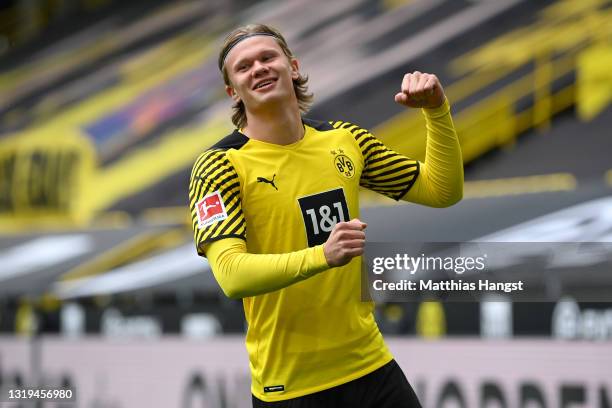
(386,387)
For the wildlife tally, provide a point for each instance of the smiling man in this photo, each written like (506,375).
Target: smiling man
(275,210)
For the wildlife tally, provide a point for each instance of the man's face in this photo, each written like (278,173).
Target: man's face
(260,73)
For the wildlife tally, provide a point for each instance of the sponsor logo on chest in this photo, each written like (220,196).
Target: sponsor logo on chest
(321,212)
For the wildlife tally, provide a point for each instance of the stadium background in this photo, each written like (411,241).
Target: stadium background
(104,106)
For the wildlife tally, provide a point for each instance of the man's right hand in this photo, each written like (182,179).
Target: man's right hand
(345,242)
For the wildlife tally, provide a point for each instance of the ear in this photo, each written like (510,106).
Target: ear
(295,69)
(231,92)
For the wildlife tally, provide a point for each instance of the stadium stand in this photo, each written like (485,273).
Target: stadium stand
(99,129)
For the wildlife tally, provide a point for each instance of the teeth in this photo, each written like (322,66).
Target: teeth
(263,84)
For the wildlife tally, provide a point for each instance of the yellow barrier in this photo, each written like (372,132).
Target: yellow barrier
(594,80)
(124,253)
(486,126)
(44,178)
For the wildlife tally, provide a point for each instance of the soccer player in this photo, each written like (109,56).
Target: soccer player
(275,211)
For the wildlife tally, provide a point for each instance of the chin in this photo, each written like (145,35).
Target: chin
(272,97)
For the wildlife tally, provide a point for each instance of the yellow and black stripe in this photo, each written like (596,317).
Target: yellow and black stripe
(213,172)
(385,171)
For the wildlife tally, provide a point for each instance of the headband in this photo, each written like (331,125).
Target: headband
(236,41)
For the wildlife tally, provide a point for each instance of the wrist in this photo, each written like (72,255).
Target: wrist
(323,258)
(438,111)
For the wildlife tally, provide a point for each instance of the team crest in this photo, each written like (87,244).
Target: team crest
(343,163)
(210,209)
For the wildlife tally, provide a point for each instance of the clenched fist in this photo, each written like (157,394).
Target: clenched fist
(345,242)
(420,90)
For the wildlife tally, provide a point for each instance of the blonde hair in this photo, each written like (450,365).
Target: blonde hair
(300,87)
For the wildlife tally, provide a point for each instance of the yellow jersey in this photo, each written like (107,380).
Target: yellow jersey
(316,333)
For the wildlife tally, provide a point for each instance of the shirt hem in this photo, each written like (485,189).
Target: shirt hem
(312,390)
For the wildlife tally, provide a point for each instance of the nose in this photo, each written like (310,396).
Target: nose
(259,68)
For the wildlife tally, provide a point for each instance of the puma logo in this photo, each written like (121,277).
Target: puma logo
(265,180)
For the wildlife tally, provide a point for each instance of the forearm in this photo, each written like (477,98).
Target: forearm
(440,180)
(241,274)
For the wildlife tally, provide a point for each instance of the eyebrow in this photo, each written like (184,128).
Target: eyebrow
(243,60)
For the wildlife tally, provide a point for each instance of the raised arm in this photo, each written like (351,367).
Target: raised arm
(440,180)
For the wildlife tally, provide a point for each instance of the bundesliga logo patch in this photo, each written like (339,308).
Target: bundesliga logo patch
(210,209)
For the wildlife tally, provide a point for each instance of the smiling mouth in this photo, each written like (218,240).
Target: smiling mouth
(264,84)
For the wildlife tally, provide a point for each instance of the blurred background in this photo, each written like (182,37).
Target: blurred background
(105,105)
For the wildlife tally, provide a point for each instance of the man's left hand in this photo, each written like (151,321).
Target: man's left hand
(420,90)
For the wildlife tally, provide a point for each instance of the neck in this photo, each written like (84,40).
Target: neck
(282,125)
